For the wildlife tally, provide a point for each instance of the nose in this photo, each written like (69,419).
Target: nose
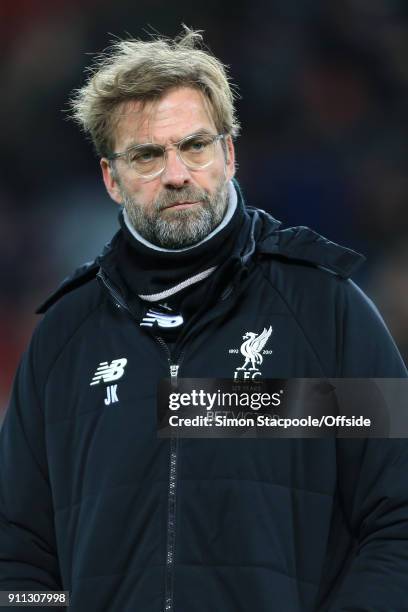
(175,173)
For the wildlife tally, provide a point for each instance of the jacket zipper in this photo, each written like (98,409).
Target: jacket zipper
(171,525)
(172,493)
(174,446)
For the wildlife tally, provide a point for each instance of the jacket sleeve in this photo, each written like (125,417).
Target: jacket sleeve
(373,488)
(28,556)
(372,478)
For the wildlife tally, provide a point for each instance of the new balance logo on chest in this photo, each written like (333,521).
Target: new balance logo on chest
(107,372)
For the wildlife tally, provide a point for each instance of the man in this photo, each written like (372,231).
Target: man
(91,500)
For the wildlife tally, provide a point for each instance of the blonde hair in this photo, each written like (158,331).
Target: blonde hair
(143,71)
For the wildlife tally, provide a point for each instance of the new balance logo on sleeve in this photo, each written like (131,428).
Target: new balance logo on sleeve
(107,372)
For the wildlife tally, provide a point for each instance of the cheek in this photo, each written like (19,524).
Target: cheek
(213,176)
(143,193)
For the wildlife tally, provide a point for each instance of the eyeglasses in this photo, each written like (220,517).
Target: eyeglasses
(196,151)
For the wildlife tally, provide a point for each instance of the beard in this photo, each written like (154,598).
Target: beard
(174,229)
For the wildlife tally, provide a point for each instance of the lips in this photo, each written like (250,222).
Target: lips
(184,204)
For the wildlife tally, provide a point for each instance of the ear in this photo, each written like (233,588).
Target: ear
(110,180)
(230,160)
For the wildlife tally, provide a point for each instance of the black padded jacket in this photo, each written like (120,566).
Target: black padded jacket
(92,502)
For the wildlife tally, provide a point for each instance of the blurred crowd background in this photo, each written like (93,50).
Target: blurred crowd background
(323,105)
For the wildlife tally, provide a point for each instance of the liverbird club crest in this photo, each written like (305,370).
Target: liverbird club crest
(253,351)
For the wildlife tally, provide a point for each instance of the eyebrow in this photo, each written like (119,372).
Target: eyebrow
(204,131)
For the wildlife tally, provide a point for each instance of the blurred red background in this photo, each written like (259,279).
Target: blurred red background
(324,92)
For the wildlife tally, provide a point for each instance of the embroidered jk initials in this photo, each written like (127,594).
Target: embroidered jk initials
(111,395)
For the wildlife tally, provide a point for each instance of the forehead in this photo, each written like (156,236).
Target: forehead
(179,112)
